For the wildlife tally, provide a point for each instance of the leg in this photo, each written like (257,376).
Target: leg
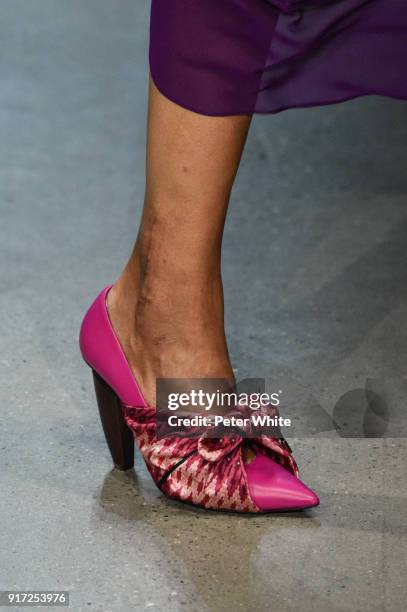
(167,306)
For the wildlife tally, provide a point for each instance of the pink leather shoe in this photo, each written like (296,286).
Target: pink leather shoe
(205,472)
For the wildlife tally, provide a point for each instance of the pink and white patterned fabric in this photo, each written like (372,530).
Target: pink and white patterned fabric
(207,472)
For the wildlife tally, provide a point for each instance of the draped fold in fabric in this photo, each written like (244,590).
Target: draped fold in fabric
(292,5)
(227,57)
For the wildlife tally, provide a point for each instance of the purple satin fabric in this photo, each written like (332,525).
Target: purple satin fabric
(228,57)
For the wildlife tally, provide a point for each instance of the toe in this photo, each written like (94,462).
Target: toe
(272,487)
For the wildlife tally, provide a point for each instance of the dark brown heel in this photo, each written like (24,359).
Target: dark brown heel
(118,436)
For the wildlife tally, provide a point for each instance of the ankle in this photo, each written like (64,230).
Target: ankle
(157,307)
(170,330)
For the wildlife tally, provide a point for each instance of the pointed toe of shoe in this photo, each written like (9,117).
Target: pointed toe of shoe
(272,487)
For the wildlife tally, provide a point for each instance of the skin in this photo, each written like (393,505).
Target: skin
(167,305)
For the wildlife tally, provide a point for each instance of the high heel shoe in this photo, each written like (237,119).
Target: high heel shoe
(206,472)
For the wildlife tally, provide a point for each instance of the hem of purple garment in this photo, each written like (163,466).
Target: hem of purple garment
(236,113)
(195,109)
(255,59)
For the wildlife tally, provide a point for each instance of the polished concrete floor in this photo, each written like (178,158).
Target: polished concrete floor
(316,293)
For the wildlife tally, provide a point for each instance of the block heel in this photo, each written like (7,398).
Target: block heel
(118,436)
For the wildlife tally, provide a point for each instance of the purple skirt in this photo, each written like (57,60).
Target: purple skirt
(231,57)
